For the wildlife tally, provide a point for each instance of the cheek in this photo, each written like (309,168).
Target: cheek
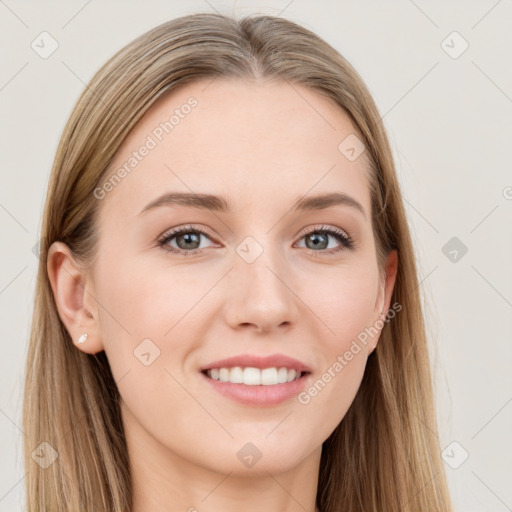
(148,330)
(345,303)
(153,317)
(329,395)
(326,400)
(141,301)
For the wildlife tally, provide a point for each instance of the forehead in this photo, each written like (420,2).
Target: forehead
(253,142)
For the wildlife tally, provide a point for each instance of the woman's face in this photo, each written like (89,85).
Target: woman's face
(251,275)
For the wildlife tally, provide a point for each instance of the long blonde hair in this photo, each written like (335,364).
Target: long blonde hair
(384,455)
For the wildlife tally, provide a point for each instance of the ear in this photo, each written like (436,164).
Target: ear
(74,296)
(384,295)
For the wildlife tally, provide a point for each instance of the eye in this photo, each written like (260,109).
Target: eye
(187,238)
(319,239)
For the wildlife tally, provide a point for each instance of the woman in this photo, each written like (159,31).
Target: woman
(227,312)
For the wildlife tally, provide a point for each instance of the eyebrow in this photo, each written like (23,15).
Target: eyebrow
(219,204)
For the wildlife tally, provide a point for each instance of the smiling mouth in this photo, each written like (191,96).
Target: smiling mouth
(251,376)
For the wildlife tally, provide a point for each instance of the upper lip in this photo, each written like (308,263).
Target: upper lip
(254,361)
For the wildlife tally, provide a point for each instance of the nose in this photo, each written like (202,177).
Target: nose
(262,297)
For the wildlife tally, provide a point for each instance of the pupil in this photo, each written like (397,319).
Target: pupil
(188,239)
(315,237)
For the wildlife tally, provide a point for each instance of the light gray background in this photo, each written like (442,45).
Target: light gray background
(449,120)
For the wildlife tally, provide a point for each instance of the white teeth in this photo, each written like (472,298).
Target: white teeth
(269,376)
(282,375)
(236,375)
(254,376)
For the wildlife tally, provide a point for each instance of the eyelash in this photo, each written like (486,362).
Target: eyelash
(345,239)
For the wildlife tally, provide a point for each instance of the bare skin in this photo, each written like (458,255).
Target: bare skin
(261,147)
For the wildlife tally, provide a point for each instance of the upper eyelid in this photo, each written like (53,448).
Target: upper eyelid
(322,227)
(184,229)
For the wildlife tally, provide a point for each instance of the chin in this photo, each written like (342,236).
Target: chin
(260,457)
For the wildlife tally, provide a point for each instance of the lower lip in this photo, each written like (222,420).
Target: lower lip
(263,396)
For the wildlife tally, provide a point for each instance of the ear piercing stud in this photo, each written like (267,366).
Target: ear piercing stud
(82,338)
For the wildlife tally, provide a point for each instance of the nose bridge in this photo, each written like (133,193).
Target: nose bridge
(262,288)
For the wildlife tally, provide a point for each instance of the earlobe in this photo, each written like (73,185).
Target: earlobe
(76,310)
